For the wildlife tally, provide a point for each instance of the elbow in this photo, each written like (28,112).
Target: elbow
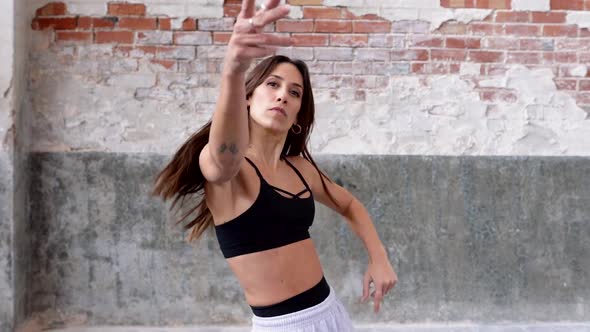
(220,167)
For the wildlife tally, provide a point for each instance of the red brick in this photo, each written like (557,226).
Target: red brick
(189,24)
(322,12)
(513,17)
(463,43)
(566,71)
(168,64)
(524,57)
(354,40)
(495,69)
(104,22)
(493,4)
(440,68)
(584,85)
(583,98)
(44,23)
(221,37)
(426,41)
(486,56)
(231,10)
(567,4)
(52,9)
(584,57)
(485,29)
(84,23)
(565,84)
(126,9)
(457,3)
(333,26)
(371,26)
(140,51)
(523,30)
(537,44)
(310,39)
(584,32)
(572,44)
(410,55)
(446,55)
(549,17)
(74,36)
(455,68)
(500,43)
(420,68)
(498,95)
(566,57)
(164,23)
(294,26)
(348,14)
(560,30)
(138,23)
(123,37)
(452,28)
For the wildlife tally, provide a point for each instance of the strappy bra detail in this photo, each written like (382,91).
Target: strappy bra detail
(272,221)
(296,196)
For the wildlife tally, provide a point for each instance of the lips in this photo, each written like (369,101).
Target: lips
(280,110)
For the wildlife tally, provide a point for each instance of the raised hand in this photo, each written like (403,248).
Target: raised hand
(248,41)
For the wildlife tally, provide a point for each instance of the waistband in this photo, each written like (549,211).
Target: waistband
(309,298)
(299,319)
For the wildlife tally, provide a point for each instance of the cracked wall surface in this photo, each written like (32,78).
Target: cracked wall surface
(490,98)
(451,81)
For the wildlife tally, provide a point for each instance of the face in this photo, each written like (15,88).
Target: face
(274,104)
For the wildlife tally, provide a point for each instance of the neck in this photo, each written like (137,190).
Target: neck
(266,146)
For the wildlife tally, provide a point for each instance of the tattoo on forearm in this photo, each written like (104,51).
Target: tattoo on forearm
(233,149)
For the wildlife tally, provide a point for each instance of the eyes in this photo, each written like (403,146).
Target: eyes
(274,84)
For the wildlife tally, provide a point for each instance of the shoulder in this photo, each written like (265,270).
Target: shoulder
(310,172)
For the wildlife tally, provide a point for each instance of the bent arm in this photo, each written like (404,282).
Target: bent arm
(351,209)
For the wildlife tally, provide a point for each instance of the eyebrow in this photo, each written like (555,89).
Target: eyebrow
(279,77)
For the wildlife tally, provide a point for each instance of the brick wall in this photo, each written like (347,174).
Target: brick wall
(364,58)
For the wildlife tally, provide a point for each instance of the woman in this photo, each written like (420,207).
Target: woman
(260,183)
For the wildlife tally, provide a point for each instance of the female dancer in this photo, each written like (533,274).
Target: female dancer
(260,183)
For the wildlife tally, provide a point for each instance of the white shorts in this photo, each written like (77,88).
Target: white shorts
(327,316)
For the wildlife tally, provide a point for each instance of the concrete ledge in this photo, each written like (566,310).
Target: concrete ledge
(461,327)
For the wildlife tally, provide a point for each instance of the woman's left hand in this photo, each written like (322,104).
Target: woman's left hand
(381,274)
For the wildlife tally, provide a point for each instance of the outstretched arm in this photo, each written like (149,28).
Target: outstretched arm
(220,159)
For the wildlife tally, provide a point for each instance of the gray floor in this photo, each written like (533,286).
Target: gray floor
(467,327)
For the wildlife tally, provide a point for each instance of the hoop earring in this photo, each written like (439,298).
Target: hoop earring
(298,131)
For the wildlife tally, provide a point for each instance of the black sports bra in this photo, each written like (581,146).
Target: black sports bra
(272,221)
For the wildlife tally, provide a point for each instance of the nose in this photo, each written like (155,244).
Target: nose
(282,96)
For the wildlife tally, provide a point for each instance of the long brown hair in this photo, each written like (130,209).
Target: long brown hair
(182,177)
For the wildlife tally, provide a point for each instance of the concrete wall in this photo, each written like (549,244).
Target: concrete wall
(492,239)
(6,165)
(104,93)
(15,238)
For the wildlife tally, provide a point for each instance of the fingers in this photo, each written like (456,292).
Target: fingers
(377,299)
(366,281)
(268,16)
(264,39)
(248,8)
(270,4)
(259,52)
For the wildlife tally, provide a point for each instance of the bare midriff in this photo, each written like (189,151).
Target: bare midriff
(271,276)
